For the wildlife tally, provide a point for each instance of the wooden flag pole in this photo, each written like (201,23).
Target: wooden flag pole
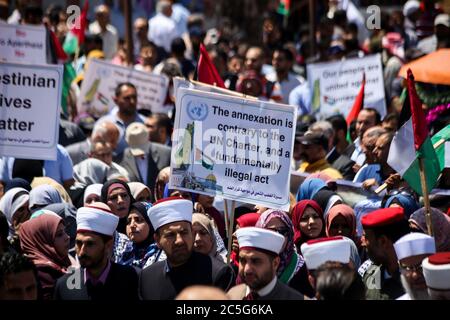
(426,200)
(128,33)
(225,207)
(230,230)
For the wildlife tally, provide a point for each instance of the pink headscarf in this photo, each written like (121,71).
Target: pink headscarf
(348,214)
(37,238)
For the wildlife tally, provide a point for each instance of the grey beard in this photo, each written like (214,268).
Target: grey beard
(414,293)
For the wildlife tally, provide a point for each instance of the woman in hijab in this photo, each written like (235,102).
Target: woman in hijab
(44,241)
(92,193)
(42,196)
(308,221)
(140,192)
(140,231)
(292,269)
(326,199)
(406,201)
(14,205)
(441,227)
(206,237)
(309,188)
(207,203)
(47,180)
(68,213)
(87,172)
(341,221)
(18,183)
(117,195)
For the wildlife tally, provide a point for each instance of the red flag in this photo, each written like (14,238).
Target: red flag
(60,54)
(417,114)
(206,71)
(81,21)
(358,104)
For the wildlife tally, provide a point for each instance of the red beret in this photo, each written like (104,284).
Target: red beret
(383,217)
(439,258)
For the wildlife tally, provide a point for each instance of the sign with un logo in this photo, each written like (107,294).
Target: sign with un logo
(197,110)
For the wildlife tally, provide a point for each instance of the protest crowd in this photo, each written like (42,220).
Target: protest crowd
(365,179)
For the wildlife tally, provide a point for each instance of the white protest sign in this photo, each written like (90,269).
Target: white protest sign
(29,110)
(334,85)
(22,44)
(236,148)
(102,78)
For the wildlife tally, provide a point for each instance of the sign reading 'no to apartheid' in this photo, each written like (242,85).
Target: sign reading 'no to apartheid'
(22,43)
(334,85)
(102,78)
(29,110)
(233,147)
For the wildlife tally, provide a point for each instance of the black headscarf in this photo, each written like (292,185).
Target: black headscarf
(27,169)
(141,207)
(104,196)
(18,183)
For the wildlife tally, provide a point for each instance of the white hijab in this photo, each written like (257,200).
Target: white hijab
(11,201)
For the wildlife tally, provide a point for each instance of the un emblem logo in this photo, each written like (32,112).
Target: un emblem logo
(197,111)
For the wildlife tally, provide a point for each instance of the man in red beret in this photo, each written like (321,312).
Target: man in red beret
(382,228)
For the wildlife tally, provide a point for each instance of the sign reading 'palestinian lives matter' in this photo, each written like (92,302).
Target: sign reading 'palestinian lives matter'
(102,78)
(22,44)
(29,110)
(236,148)
(334,85)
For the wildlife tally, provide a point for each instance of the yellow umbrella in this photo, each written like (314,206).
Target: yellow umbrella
(432,68)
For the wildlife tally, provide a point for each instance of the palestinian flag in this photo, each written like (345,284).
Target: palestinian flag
(284,7)
(358,104)
(411,142)
(75,36)
(438,141)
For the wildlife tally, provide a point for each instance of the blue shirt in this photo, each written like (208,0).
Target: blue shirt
(59,170)
(301,97)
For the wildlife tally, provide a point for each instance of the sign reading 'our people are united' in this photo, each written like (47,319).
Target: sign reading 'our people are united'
(233,147)
(102,78)
(334,85)
(29,110)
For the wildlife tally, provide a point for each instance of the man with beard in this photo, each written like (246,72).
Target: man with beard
(313,150)
(98,278)
(436,270)
(258,263)
(411,250)
(163,280)
(381,276)
(124,114)
(367,118)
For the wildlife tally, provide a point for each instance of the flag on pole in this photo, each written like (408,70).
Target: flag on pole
(358,104)
(206,71)
(75,36)
(438,141)
(411,142)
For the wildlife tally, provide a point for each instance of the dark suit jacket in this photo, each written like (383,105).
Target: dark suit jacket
(79,151)
(158,283)
(121,284)
(158,158)
(279,292)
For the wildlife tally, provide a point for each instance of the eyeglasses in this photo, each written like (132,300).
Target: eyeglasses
(282,231)
(410,269)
